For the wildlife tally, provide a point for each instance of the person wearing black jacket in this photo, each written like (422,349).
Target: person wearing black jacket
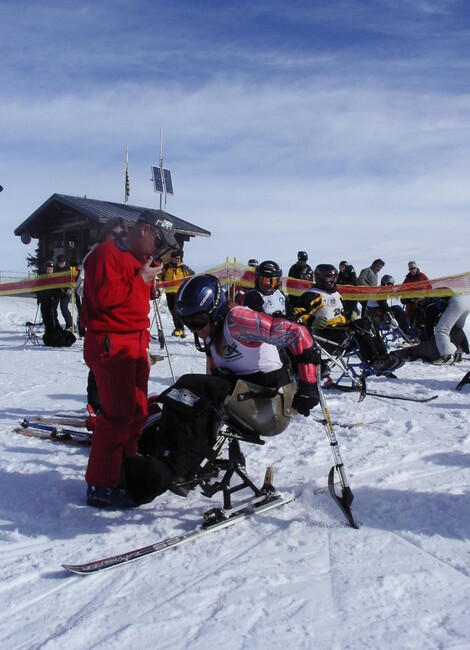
(301,270)
(347,276)
(48,300)
(65,294)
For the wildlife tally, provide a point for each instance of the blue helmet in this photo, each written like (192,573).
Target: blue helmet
(202,298)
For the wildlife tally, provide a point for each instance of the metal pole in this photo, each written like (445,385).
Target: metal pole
(345,500)
(161,163)
(160,325)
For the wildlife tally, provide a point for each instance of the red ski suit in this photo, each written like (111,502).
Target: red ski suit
(115,314)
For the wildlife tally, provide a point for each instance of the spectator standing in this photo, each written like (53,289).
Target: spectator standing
(65,294)
(412,304)
(116,298)
(48,301)
(347,276)
(175,270)
(301,270)
(369,277)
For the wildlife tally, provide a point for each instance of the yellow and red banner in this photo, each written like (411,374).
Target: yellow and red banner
(40,283)
(236,276)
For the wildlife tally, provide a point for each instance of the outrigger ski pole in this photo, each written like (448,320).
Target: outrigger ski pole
(344,500)
(359,382)
(158,321)
(161,336)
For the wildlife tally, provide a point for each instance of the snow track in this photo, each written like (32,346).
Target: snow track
(294,577)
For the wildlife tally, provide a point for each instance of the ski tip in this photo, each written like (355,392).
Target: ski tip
(71,568)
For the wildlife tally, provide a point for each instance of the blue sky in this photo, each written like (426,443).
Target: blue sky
(340,128)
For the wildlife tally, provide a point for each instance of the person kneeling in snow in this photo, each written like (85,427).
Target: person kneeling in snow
(449,341)
(248,386)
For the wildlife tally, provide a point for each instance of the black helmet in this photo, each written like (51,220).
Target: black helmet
(387,280)
(252,262)
(201,300)
(326,276)
(267,276)
(302,256)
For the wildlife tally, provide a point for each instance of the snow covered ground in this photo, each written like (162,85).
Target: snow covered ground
(295,577)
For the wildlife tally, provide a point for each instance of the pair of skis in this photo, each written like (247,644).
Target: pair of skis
(52,429)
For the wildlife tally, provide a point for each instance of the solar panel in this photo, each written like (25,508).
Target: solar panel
(157,179)
(168,182)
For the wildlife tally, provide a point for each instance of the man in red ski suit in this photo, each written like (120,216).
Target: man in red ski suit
(116,299)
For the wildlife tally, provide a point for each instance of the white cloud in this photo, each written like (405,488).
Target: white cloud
(272,149)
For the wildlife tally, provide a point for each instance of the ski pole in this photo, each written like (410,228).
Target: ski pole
(360,382)
(345,500)
(160,325)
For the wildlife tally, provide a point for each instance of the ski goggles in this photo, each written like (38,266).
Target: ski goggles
(196,322)
(266,283)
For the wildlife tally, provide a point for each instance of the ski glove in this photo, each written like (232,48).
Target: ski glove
(305,398)
(310,355)
(319,323)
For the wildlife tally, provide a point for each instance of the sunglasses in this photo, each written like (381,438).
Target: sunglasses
(159,243)
(412,268)
(197,322)
(389,284)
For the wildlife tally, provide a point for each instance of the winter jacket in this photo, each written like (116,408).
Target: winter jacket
(419,277)
(171,272)
(368,277)
(301,271)
(347,277)
(115,296)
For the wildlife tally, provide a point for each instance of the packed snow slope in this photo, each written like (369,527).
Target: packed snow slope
(295,577)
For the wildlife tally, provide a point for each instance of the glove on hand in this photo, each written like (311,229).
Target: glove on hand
(393,323)
(319,323)
(310,355)
(305,398)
